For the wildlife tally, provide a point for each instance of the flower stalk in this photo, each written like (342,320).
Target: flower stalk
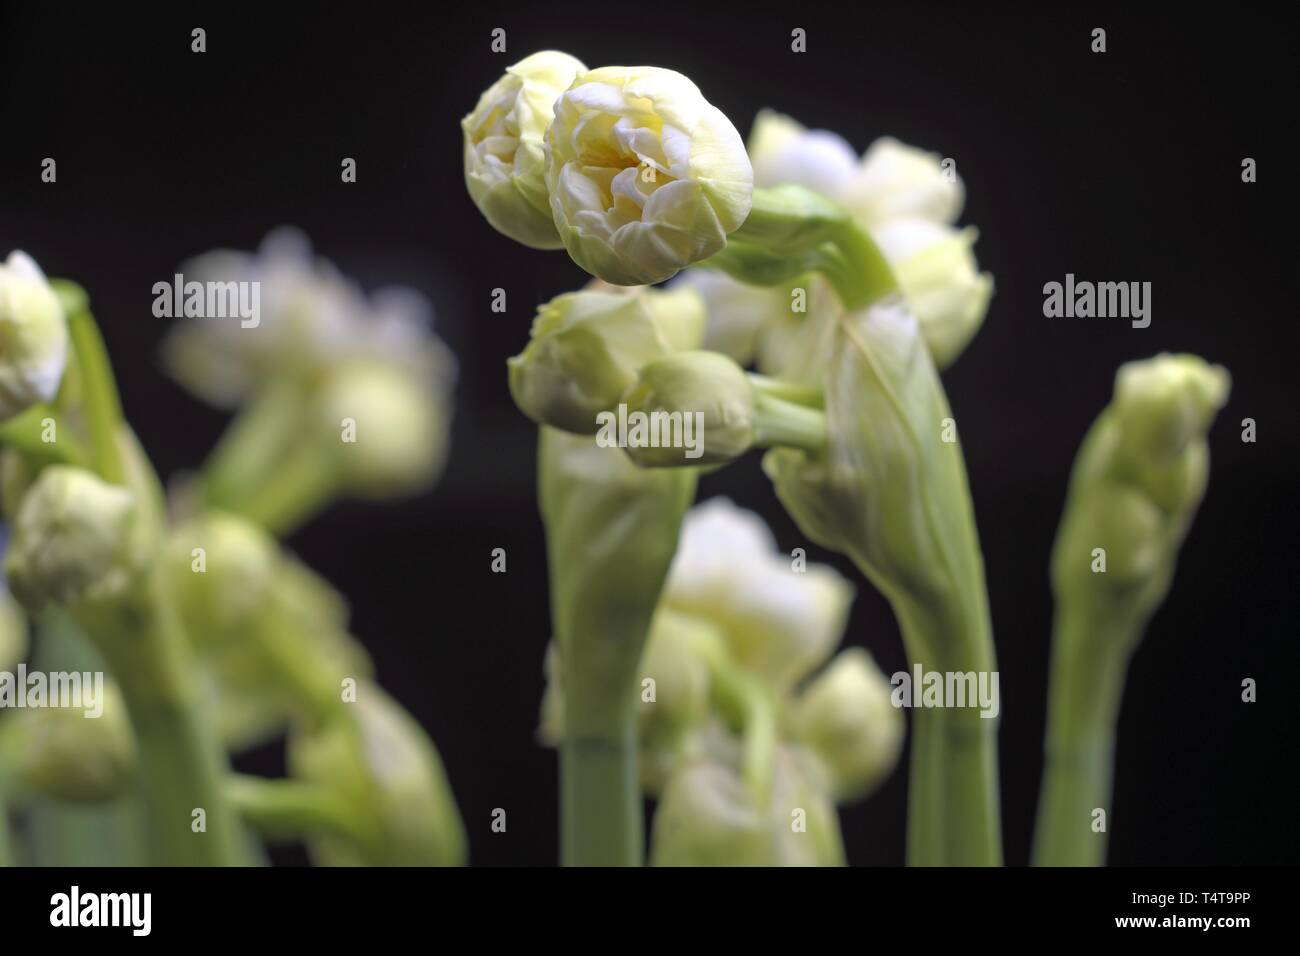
(611,531)
(1137,484)
(892,495)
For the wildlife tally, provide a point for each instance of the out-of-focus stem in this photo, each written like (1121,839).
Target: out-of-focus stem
(1087,684)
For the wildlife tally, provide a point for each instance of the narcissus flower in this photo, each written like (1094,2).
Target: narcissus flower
(378,759)
(737,313)
(270,637)
(586,348)
(645,176)
(387,429)
(505,159)
(76,538)
(33,336)
(891,181)
(1136,485)
(708,817)
(845,718)
(779,622)
(311,320)
(679,659)
(936,270)
(899,181)
(62,753)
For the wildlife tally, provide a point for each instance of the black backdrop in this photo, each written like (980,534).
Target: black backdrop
(1122,166)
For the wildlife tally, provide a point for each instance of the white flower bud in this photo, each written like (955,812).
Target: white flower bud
(75,538)
(645,176)
(586,348)
(784,152)
(505,161)
(707,817)
(33,336)
(779,623)
(936,270)
(897,181)
(845,717)
(387,429)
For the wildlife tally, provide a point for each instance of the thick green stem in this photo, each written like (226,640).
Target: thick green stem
(953,801)
(611,533)
(181,762)
(779,422)
(600,797)
(254,443)
(304,482)
(1084,696)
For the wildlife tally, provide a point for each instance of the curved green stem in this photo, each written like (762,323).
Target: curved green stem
(287,810)
(750,708)
(791,231)
(254,442)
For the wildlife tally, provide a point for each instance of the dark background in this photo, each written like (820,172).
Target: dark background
(1122,166)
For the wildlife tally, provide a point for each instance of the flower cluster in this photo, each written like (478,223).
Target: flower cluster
(641,175)
(907,201)
(737,654)
(341,393)
(218,637)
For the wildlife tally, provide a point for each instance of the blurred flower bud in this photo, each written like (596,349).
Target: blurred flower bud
(784,152)
(505,160)
(1136,485)
(311,319)
(897,181)
(645,177)
(379,759)
(845,718)
(269,635)
(779,622)
(1165,403)
(699,408)
(708,817)
(737,312)
(64,754)
(586,348)
(76,538)
(674,693)
(936,270)
(34,336)
(388,432)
